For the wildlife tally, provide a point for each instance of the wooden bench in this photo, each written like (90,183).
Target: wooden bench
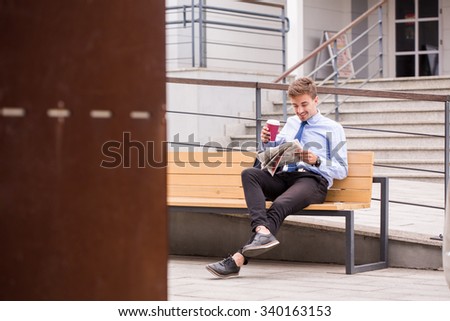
(211,182)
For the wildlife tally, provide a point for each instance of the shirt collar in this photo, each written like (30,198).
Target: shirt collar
(314,119)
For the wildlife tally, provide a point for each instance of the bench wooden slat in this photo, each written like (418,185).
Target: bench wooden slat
(248,157)
(358,170)
(203,169)
(208,192)
(349,195)
(360,157)
(237,193)
(235,180)
(202,202)
(203,180)
(337,206)
(240,204)
(353,183)
(211,157)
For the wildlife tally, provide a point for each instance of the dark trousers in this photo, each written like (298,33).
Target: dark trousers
(289,192)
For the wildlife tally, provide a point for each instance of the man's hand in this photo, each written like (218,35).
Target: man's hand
(265,134)
(306,156)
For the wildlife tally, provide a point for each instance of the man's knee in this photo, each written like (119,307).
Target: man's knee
(285,207)
(250,172)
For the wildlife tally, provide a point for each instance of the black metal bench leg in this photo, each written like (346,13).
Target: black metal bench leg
(384,219)
(350,267)
(349,242)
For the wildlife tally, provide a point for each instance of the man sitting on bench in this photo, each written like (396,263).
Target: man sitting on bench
(294,186)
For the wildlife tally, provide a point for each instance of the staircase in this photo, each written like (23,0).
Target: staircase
(391,149)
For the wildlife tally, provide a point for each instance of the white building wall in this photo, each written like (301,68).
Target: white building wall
(295,43)
(321,15)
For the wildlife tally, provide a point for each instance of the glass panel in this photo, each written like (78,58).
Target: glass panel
(404,9)
(428,65)
(428,35)
(405,66)
(404,33)
(428,8)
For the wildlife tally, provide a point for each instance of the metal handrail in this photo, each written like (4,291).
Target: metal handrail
(320,89)
(198,21)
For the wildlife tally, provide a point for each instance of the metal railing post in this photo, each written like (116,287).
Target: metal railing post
(193,32)
(380,41)
(283,41)
(447,152)
(201,35)
(446,235)
(336,81)
(258,116)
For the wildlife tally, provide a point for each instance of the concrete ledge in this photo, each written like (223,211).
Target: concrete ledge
(217,235)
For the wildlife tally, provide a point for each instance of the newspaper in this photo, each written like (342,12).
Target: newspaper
(274,157)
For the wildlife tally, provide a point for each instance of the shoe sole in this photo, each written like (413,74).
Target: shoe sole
(222,276)
(255,251)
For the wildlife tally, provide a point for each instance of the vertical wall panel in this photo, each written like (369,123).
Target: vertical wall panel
(69,228)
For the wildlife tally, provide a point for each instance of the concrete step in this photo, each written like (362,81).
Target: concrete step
(382,114)
(413,177)
(417,169)
(364,104)
(426,84)
(382,152)
(432,128)
(430,83)
(427,164)
(386,117)
(364,132)
(398,142)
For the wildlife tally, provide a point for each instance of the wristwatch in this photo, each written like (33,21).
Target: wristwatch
(318,162)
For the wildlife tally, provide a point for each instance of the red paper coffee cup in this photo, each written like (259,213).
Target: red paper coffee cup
(273,126)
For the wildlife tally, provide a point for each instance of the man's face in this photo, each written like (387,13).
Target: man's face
(304,106)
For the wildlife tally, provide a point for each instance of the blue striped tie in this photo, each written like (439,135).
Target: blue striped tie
(293,167)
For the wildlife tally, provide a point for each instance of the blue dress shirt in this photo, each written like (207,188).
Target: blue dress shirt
(325,138)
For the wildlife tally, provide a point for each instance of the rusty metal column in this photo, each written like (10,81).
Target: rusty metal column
(82,109)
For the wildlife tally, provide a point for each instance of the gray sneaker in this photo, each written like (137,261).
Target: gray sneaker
(225,268)
(260,244)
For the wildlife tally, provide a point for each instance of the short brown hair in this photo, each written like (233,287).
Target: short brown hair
(302,86)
